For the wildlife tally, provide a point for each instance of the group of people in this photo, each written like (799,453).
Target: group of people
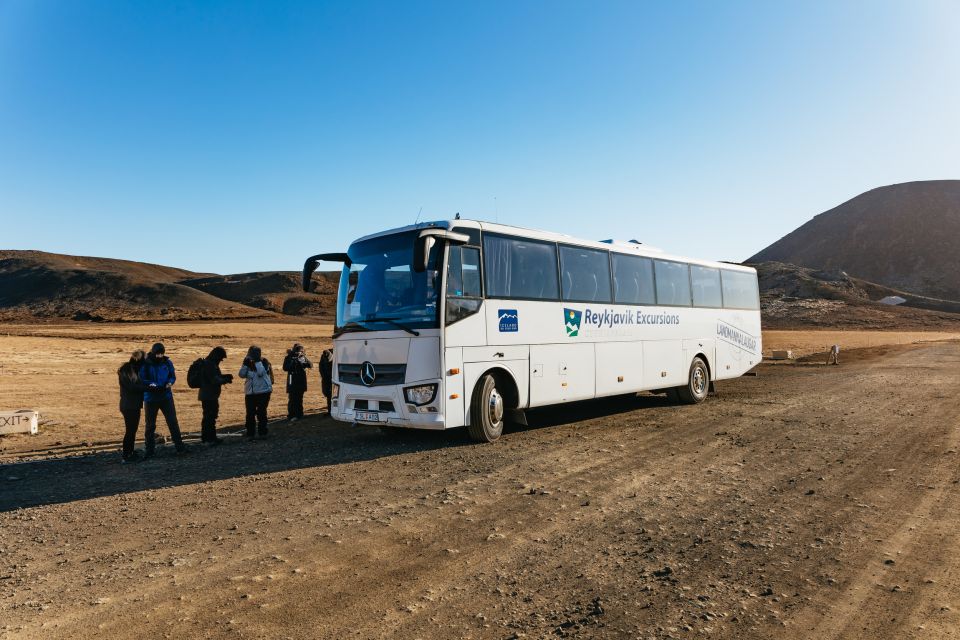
(146,385)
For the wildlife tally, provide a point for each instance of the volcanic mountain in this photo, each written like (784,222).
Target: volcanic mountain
(904,236)
(35,285)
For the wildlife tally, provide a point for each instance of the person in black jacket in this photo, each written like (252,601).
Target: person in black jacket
(211,382)
(131,402)
(326,375)
(296,365)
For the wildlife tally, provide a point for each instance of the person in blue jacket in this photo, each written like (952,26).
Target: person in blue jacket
(158,374)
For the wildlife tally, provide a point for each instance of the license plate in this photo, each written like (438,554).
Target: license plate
(368,416)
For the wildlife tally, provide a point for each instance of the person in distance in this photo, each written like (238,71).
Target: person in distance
(211,384)
(131,402)
(158,374)
(296,365)
(258,375)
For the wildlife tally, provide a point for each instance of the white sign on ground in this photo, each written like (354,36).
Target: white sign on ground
(23,421)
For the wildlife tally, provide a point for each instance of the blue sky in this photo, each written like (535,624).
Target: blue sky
(243,136)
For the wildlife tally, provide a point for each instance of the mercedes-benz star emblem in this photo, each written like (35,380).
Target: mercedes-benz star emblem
(368,374)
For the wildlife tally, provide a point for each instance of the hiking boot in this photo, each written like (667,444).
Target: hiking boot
(215,441)
(183,449)
(133,457)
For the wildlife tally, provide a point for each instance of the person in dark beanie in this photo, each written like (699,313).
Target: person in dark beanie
(131,402)
(211,383)
(296,365)
(258,385)
(326,375)
(158,374)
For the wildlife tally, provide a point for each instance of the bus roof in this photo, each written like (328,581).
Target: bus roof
(630,248)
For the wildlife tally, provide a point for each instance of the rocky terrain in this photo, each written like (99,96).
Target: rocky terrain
(799,297)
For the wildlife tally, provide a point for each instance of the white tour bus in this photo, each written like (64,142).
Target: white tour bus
(464,323)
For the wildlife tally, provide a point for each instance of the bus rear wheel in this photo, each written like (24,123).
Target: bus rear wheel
(698,384)
(486,411)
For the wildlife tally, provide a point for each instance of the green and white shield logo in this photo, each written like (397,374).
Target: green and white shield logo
(572,319)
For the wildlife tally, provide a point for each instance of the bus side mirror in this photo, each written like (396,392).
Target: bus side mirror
(425,242)
(421,253)
(314,261)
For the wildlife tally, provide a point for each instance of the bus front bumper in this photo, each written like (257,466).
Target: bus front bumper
(386,406)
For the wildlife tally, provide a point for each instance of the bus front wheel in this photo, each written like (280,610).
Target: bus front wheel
(698,384)
(486,411)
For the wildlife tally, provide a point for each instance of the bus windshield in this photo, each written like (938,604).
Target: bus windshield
(381,291)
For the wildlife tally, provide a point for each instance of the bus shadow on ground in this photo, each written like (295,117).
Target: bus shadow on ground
(585,410)
(316,441)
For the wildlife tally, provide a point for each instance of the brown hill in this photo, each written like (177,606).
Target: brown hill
(35,285)
(277,291)
(903,236)
(39,285)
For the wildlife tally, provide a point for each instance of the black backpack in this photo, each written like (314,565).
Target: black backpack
(195,374)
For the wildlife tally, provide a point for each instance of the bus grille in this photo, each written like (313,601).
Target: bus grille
(387,374)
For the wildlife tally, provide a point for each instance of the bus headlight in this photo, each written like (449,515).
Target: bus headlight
(421,394)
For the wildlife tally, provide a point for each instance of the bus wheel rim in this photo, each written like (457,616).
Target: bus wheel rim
(699,381)
(495,407)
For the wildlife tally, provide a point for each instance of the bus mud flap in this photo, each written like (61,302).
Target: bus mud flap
(517,416)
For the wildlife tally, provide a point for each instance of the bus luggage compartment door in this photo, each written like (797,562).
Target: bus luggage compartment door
(561,373)
(619,367)
(663,364)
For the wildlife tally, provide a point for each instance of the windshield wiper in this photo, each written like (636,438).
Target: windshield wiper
(394,322)
(349,327)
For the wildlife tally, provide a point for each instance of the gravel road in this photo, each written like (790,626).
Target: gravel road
(809,501)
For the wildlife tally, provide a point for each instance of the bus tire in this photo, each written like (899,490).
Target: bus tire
(698,383)
(486,411)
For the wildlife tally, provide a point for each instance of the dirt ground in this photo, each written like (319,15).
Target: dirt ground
(809,501)
(68,374)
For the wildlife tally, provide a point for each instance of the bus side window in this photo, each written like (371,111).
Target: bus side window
(463,283)
(520,268)
(585,274)
(673,283)
(470,258)
(633,280)
(740,290)
(455,272)
(706,287)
